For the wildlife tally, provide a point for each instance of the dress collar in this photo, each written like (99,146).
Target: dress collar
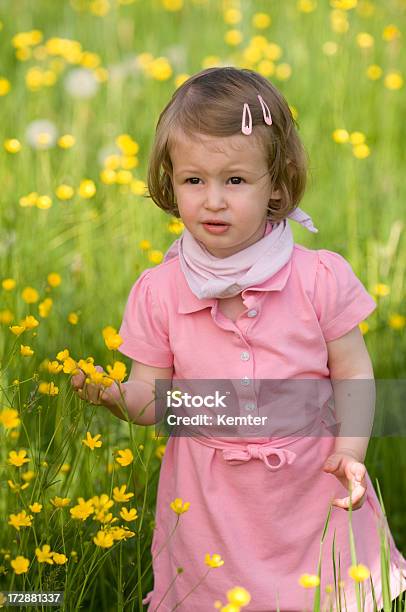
(189,302)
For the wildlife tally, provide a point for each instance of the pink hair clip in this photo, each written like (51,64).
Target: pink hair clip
(246,119)
(265,110)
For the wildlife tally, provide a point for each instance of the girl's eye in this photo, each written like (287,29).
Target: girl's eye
(194,178)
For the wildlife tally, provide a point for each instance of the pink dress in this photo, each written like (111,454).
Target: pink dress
(261,503)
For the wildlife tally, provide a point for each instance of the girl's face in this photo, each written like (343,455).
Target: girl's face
(225,180)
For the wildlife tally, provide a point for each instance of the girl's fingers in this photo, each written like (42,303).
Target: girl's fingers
(358,498)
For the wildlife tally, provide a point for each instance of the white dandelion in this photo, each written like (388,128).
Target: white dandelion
(41,134)
(81,83)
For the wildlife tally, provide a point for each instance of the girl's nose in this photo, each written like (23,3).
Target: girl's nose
(215,198)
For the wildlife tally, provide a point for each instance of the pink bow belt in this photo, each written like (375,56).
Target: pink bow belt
(236,454)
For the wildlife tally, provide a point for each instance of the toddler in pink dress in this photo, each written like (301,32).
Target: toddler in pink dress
(228,161)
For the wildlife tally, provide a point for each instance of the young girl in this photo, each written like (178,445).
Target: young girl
(237,299)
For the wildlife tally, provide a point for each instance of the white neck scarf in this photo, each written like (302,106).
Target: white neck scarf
(222,277)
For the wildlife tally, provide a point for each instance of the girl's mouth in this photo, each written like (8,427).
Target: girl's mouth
(215,228)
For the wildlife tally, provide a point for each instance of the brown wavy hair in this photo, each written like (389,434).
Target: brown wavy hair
(211,103)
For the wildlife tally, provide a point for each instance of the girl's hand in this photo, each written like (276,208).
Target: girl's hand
(88,391)
(351,474)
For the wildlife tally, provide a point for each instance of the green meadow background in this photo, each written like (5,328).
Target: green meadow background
(77,230)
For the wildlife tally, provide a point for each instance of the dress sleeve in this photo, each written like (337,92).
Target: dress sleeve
(145,338)
(340,299)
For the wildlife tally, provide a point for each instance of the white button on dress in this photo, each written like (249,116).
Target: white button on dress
(252,313)
(250,406)
(245,356)
(245,380)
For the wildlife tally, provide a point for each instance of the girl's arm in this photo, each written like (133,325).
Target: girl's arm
(139,393)
(353,383)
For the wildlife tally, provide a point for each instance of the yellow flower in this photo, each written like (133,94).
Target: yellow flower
(60,502)
(113,341)
(17,329)
(365,40)
(181,78)
(26,351)
(343,5)
(28,475)
(22,519)
(65,468)
(59,558)
(233,37)
(176,226)
(54,279)
(128,515)
(397,321)
(118,371)
(238,596)
(121,533)
(393,80)
(381,290)
(138,187)
(261,21)
(127,145)
(144,245)
(92,443)
(210,61)
(9,418)
(330,47)
(48,388)
(119,494)
(391,32)
(12,145)
(213,561)
(20,564)
(30,295)
(54,367)
(29,200)
(73,318)
(232,16)
(35,507)
(44,202)
(160,451)
(45,307)
(340,135)
(66,141)
(306,6)
(361,151)
(87,189)
(359,572)
(64,192)
(82,510)
(309,581)
(172,5)
(6,316)
(108,176)
(155,256)
(160,69)
(103,539)
(44,555)
(374,72)
(102,502)
(8,284)
(272,51)
(126,457)
(17,487)
(29,322)
(18,458)
(364,327)
(357,138)
(283,71)
(5,86)
(178,506)
(62,355)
